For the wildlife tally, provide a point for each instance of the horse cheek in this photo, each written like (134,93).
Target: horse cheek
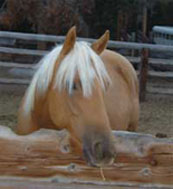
(57,110)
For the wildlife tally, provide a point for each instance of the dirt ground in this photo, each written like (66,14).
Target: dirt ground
(156,114)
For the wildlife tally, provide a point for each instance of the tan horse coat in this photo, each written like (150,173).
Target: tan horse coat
(117,108)
(121,99)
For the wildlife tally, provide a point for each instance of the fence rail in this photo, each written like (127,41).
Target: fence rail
(142,61)
(20,51)
(142,161)
(60,39)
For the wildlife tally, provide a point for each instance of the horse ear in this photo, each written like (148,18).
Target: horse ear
(69,41)
(99,45)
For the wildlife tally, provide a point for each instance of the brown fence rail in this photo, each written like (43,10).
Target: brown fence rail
(46,157)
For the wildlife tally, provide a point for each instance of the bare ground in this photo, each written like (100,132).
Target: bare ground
(156,114)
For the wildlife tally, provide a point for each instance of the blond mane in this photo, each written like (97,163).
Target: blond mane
(81,60)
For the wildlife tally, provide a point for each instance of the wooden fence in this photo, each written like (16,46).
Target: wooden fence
(47,159)
(10,41)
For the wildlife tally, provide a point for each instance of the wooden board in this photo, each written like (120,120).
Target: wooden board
(25,184)
(19,51)
(160,90)
(9,81)
(153,61)
(60,39)
(47,156)
(16,65)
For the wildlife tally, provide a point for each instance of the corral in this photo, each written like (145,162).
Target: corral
(149,160)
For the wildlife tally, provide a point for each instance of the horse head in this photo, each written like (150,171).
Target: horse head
(77,97)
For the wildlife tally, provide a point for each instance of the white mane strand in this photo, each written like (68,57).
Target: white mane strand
(89,66)
(42,78)
(81,60)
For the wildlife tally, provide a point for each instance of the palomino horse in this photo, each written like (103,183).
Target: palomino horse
(87,90)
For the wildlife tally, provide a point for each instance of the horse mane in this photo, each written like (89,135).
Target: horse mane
(81,60)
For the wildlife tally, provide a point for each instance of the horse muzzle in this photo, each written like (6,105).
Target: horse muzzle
(99,153)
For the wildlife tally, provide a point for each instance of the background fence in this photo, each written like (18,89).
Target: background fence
(19,53)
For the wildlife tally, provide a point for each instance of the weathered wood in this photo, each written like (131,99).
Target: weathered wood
(143,74)
(54,184)
(16,65)
(14,81)
(167,75)
(154,61)
(47,155)
(111,44)
(10,50)
(159,61)
(160,90)
(156,74)
(29,36)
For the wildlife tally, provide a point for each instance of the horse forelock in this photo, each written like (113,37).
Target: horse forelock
(81,60)
(41,79)
(85,63)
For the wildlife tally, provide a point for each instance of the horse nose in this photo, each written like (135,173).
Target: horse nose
(104,152)
(100,153)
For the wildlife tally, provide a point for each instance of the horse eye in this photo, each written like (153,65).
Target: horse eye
(74,86)
(77,86)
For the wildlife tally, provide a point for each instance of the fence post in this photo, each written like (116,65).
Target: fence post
(143,72)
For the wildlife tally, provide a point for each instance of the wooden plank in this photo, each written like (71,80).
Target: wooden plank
(168,75)
(159,90)
(14,81)
(154,61)
(54,184)
(159,61)
(29,36)
(39,37)
(16,65)
(10,50)
(139,46)
(133,59)
(157,74)
(47,155)
(111,44)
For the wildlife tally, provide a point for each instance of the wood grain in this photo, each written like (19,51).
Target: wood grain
(48,154)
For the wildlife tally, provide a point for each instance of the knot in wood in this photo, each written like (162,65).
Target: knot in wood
(145,171)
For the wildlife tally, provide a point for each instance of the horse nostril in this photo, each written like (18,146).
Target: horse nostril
(98,150)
